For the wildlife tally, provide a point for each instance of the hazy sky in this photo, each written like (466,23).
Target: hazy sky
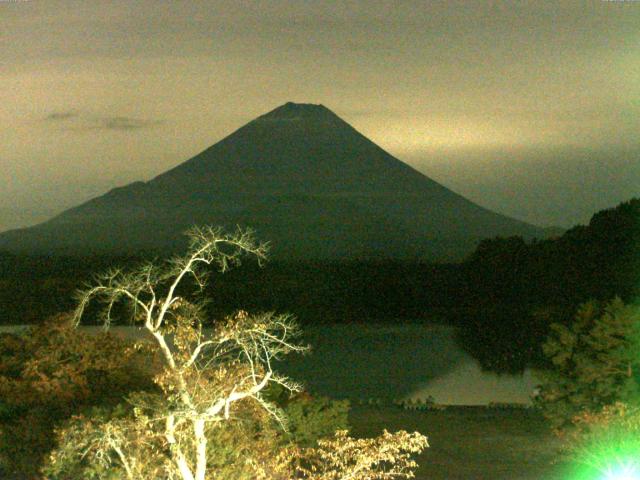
(529,108)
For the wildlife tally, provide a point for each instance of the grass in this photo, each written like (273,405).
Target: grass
(471,443)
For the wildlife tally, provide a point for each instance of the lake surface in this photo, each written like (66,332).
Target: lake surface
(379,361)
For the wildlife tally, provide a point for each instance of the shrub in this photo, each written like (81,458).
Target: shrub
(342,457)
(593,362)
(51,372)
(312,418)
(252,441)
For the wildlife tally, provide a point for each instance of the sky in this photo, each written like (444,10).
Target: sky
(530,108)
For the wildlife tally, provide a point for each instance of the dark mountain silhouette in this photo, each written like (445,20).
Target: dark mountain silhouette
(303,179)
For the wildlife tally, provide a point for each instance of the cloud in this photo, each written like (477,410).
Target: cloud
(79,121)
(125,123)
(57,116)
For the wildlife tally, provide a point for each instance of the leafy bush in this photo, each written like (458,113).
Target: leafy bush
(342,457)
(78,434)
(121,443)
(51,372)
(593,362)
(312,418)
(237,448)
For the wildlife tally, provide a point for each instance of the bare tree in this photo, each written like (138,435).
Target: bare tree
(206,370)
(210,374)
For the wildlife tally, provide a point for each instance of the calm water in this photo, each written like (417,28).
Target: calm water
(360,362)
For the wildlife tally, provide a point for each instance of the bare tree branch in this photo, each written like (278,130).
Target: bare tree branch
(197,380)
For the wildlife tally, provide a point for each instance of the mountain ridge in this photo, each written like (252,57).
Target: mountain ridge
(300,175)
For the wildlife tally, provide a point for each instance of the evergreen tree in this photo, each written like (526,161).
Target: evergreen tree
(593,362)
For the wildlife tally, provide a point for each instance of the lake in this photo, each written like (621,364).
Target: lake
(389,362)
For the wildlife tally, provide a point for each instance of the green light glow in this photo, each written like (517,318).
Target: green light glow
(621,465)
(627,470)
(608,445)
(615,469)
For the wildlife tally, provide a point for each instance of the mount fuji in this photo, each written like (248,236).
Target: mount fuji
(303,179)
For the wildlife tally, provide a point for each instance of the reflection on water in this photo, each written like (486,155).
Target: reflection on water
(390,362)
(394,362)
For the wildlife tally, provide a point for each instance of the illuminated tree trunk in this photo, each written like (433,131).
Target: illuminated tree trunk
(201,448)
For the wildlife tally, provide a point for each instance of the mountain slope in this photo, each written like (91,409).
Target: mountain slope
(303,179)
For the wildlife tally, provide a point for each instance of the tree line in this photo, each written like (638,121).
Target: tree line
(504,295)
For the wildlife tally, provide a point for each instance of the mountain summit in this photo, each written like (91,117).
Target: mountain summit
(298,111)
(299,175)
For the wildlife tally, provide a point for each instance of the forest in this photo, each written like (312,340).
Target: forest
(96,406)
(503,296)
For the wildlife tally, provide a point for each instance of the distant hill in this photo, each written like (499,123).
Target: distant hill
(595,261)
(299,175)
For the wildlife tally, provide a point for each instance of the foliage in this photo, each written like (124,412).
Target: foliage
(502,338)
(419,404)
(593,362)
(598,260)
(211,416)
(342,457)
(239,449)
(309,417)
(51,372)
(32,288)
(130,443)
(312,418)
(510,277)
(605,441)
(96,430)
